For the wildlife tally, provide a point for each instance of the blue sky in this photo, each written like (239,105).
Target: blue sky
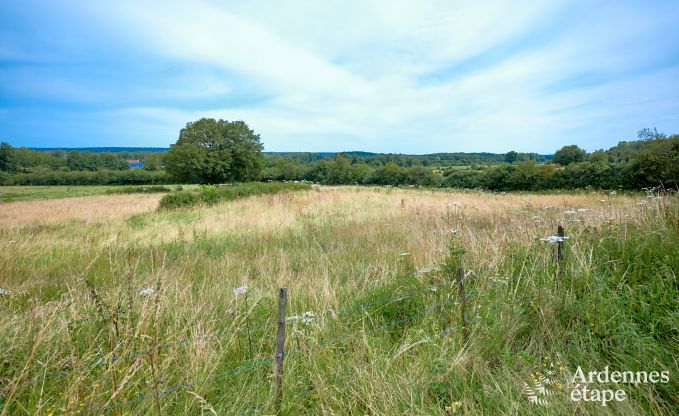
(385,76)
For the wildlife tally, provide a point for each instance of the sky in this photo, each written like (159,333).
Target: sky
(383,76)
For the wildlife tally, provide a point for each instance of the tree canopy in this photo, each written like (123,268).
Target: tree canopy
(569,154)
(215,151)
(6,158)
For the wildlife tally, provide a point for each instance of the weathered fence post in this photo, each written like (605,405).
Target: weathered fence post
(559,254)
(463,303)
(280,348)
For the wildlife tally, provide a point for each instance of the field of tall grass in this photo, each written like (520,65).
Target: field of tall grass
(136,310)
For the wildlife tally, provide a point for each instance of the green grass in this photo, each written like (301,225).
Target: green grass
(141,189)
(212,194)
(27,193)
(383,342)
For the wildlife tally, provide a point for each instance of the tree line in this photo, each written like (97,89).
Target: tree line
(652,160)
(210,151)
(24,160)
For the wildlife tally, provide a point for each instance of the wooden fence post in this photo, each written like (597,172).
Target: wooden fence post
(559,254)
(280,348)
(463,303)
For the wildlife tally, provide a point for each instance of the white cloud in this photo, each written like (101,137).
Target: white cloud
(403,76)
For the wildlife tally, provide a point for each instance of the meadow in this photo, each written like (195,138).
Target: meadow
(29,193)
(118,307)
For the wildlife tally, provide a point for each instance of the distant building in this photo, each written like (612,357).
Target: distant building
(135,163)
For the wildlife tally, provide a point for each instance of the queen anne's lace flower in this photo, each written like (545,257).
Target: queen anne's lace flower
(146,292)
(308,318)
(553,239)
(4,292)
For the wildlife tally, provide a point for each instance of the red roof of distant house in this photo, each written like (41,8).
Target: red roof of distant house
(132,160)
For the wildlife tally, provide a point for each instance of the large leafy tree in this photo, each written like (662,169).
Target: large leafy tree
(511,157)
(657,163)
(569,154)
(7,160)
(215,151)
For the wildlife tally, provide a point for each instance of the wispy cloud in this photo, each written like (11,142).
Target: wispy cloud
(391,76)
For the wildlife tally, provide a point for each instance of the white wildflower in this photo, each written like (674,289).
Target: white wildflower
(583,209)
(293,318)
(231,311)
(570,212)
(12,241)
(146,292)
(553,239)
(641,203)
(428,269)
(240,290)
(613,193)
(548,207)
(4,292)
(404,254)
(452,231)
(433,288)
(308,318)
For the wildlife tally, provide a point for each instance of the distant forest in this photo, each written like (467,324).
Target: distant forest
(650,161)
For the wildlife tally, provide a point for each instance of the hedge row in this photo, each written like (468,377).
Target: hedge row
(212,194)
(101,177)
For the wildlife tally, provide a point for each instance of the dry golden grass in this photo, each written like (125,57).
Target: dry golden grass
(371,225)
(87,209)
(330,246)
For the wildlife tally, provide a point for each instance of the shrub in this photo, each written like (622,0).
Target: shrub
(209,194)
(212,194)
(139,190)
(179,199)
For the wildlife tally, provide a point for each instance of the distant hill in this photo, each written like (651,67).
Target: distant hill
(439,159)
